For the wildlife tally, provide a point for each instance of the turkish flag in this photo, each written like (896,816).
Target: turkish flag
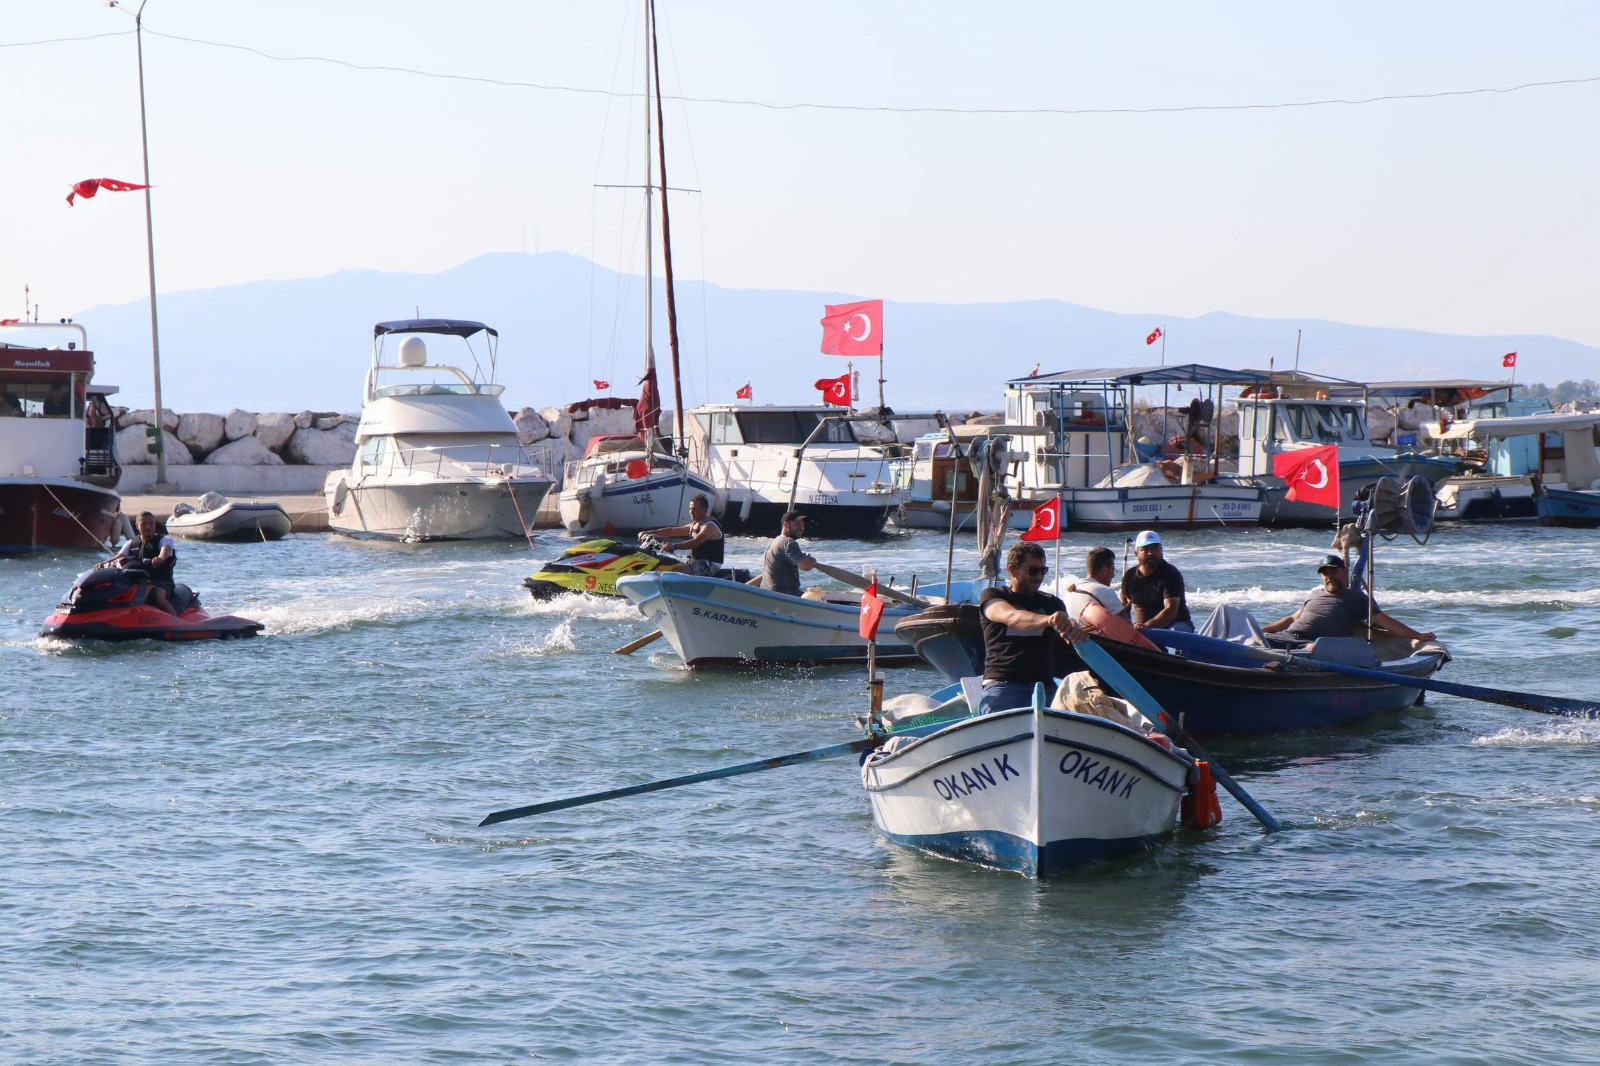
(871,611)
(1509,359)
(744,393)
(601,384)
(1155,335)
(853,329)
(1046,522)
(835,391)
(89,186)
(1312,474)
(9,321)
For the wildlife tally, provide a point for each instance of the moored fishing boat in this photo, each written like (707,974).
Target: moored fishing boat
(710,621)
(1032,790)
(1561,451)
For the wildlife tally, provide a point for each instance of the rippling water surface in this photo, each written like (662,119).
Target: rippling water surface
(266,851)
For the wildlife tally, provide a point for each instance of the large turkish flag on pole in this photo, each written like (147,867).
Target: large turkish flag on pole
(853,329)
(1312,474)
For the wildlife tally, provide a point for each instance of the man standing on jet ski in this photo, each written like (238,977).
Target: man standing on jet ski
(703,538)
(154,554)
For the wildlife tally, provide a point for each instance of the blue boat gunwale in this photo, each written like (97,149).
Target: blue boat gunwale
(684,585)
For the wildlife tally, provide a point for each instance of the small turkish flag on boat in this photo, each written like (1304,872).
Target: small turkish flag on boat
(744,393)
(835,391)
(871,611)
(601,384)
(1312,474)
(1509,359)
(1155,335)
(89,186)
(1046,523)
(853,329)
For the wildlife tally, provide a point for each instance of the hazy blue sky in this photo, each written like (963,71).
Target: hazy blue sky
(1464,214)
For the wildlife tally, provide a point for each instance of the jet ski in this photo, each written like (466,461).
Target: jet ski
(111,604)
(593,566)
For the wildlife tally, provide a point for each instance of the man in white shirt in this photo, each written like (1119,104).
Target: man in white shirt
(1101,566)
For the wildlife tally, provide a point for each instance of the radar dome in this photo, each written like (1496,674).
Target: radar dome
(413,352)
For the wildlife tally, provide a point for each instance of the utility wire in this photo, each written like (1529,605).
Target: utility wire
(861,108)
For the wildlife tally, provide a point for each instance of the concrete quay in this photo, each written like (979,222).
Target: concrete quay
(307,513)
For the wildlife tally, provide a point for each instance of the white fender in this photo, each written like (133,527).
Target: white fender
(341,492)
(744,508)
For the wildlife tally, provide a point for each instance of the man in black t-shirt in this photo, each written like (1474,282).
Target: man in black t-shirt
(1336,609)
(1020,625)
(1154,588)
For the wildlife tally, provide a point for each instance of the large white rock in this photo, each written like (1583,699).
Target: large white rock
(559,421)
(274,429)
(600,422)
(145,416)
(305,419)
(873,432)
(1381,423)
(239,423)
(246,451)
(333,421)
(318,447)
(531,425)
(203,433)
(133,448)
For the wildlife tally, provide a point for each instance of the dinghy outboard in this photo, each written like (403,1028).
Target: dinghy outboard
(113,604)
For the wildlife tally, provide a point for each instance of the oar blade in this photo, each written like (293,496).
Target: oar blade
(634,645)
(773,763)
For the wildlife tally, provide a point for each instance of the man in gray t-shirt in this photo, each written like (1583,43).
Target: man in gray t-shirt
(1336,608)
(781,566)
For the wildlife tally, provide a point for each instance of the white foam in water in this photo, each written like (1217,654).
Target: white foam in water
(605,608)
(1556,733)
(557,641)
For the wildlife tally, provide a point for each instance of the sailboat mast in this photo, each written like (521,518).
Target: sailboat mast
(649,225)
(666,239)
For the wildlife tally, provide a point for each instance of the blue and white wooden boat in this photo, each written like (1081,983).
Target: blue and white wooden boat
(1564,459)
(1565,507)
(1216,686)
(1034,791)
(713,622)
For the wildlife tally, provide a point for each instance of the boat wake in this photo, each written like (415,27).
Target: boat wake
(557,641)
(1552,734)
(603,608)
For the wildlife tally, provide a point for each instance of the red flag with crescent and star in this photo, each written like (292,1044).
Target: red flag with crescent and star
(1155,335)
(1509,359)
(744,393)
(1312,474)
(601,384)
(1046,523)
(89,186)
(871,611)
(853,329)
(835,391)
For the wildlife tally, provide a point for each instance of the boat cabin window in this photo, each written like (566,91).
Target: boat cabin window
(923,450)
(720,427)
(372,451)
(1255,421)
(440,388)
(789,427)
(39,396)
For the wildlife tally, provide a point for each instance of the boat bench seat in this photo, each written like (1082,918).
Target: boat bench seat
(1346,651)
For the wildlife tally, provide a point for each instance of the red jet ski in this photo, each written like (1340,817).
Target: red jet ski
(110,604)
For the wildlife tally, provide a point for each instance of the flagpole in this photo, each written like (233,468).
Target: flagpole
(1163,354)
(158,440)
(1058,544)
(880,375)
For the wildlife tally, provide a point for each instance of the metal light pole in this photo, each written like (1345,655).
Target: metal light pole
(157,442)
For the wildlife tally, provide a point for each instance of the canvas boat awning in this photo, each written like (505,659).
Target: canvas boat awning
(1518,426)
(1178,374)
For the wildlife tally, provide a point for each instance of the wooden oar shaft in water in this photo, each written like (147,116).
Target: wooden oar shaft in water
(1527,701)
(814,755)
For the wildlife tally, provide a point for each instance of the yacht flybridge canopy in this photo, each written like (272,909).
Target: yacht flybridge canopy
(450,327)
(1179,374)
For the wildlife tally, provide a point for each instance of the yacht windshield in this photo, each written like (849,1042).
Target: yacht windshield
(790,427)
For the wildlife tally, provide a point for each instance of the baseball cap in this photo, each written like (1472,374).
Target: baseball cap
(793,516)
(1147,538)
(1330,562)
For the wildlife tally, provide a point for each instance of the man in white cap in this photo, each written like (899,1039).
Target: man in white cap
(1154,589)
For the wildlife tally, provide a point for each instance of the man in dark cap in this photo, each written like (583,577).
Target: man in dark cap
(781,566)
(1336,609)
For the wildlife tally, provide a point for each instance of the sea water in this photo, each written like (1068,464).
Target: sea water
(266,851)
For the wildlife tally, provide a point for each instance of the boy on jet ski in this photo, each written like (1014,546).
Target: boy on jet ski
(154,554)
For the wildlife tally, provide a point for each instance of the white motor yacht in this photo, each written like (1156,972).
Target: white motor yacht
(766,460)
(437,456)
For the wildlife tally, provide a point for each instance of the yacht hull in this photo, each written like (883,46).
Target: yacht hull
(465,509)
(37,514)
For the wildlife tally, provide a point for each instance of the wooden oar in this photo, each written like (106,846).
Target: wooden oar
(1527,701)
(814,755)
(859,581)
(1111,672)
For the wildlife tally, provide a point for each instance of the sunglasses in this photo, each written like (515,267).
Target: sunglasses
(1036,571)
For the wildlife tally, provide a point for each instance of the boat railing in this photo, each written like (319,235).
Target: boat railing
(581,473)
(472,460)
(772,475)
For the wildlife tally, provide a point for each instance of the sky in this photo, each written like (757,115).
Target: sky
(1462,214)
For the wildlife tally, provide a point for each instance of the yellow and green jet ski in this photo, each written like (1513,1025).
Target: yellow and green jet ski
(593,566)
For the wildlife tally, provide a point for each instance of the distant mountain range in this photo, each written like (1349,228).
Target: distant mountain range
(563,322)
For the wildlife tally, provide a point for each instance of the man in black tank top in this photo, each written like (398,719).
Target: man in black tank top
(153,553)
(1020,628)
(703,538)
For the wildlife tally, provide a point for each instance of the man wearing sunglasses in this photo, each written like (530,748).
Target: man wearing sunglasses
(1020,627)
